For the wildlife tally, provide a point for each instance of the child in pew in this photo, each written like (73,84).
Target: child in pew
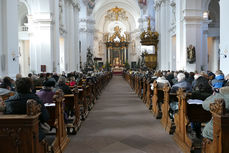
(17,104)
(223,93)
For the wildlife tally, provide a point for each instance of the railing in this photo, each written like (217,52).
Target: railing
(23,28)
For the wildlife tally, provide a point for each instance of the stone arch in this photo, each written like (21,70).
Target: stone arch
(214,13)
(27,5)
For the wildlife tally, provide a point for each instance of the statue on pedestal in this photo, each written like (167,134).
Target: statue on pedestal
(89,63)
(191,54)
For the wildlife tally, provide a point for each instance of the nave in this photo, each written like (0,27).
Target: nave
(120,123)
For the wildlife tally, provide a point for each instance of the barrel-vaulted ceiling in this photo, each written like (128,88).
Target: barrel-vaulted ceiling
(131,7)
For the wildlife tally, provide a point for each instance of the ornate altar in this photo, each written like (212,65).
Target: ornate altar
(117,48)
(150,38)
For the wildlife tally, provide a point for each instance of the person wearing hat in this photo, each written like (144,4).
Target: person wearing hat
(46,94)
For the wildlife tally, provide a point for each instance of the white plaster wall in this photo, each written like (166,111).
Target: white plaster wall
(40,29)
(189,31)
(1,47)
(224,36)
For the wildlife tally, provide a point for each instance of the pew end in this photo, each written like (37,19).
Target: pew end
(166,121)
(220,142)
(186,114)
(20,133)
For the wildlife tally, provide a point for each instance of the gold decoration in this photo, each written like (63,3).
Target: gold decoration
(148,37)
(116,13)
(117,31)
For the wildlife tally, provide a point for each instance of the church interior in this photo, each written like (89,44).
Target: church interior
(114,76)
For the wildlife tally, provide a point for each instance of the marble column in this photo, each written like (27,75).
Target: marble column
(76,37)
(55,37)
(9,65)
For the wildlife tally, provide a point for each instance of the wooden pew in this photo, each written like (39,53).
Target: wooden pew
(140,86)
(20,133)
(157,99)
(144,90)
(148,94)
(220,142)
(83,101)
(61,139)
(166,121)
(136,83)
(90,95)
(188,113)
(72,102)
(6,96)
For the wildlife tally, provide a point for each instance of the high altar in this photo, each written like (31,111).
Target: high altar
(117,49)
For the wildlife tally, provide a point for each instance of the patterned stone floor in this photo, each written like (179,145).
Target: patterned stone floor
(120,123)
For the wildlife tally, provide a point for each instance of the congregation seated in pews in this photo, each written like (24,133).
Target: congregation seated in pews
(182,100)
(60,113)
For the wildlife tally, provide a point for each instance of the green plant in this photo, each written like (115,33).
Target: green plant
(107,66)
(127,65)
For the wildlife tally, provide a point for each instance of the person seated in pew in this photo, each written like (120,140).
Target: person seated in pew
(7,83)
(223,93)
(46,94)
(17,104)
(4,91)
(196,76)
(182,83)
(161,81)
(170,77)
(226,83)
(190,77)
(18,76)
(61,85)
(200,91)
(55,76)
(2,103)
(174,80)
(218,82)
(72,81)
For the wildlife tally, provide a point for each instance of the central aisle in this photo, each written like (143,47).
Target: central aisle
(120,123)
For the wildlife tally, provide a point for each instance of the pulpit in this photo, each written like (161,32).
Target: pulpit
(150,38)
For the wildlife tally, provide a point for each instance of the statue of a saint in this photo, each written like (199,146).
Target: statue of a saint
(191,54)
(116,61)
